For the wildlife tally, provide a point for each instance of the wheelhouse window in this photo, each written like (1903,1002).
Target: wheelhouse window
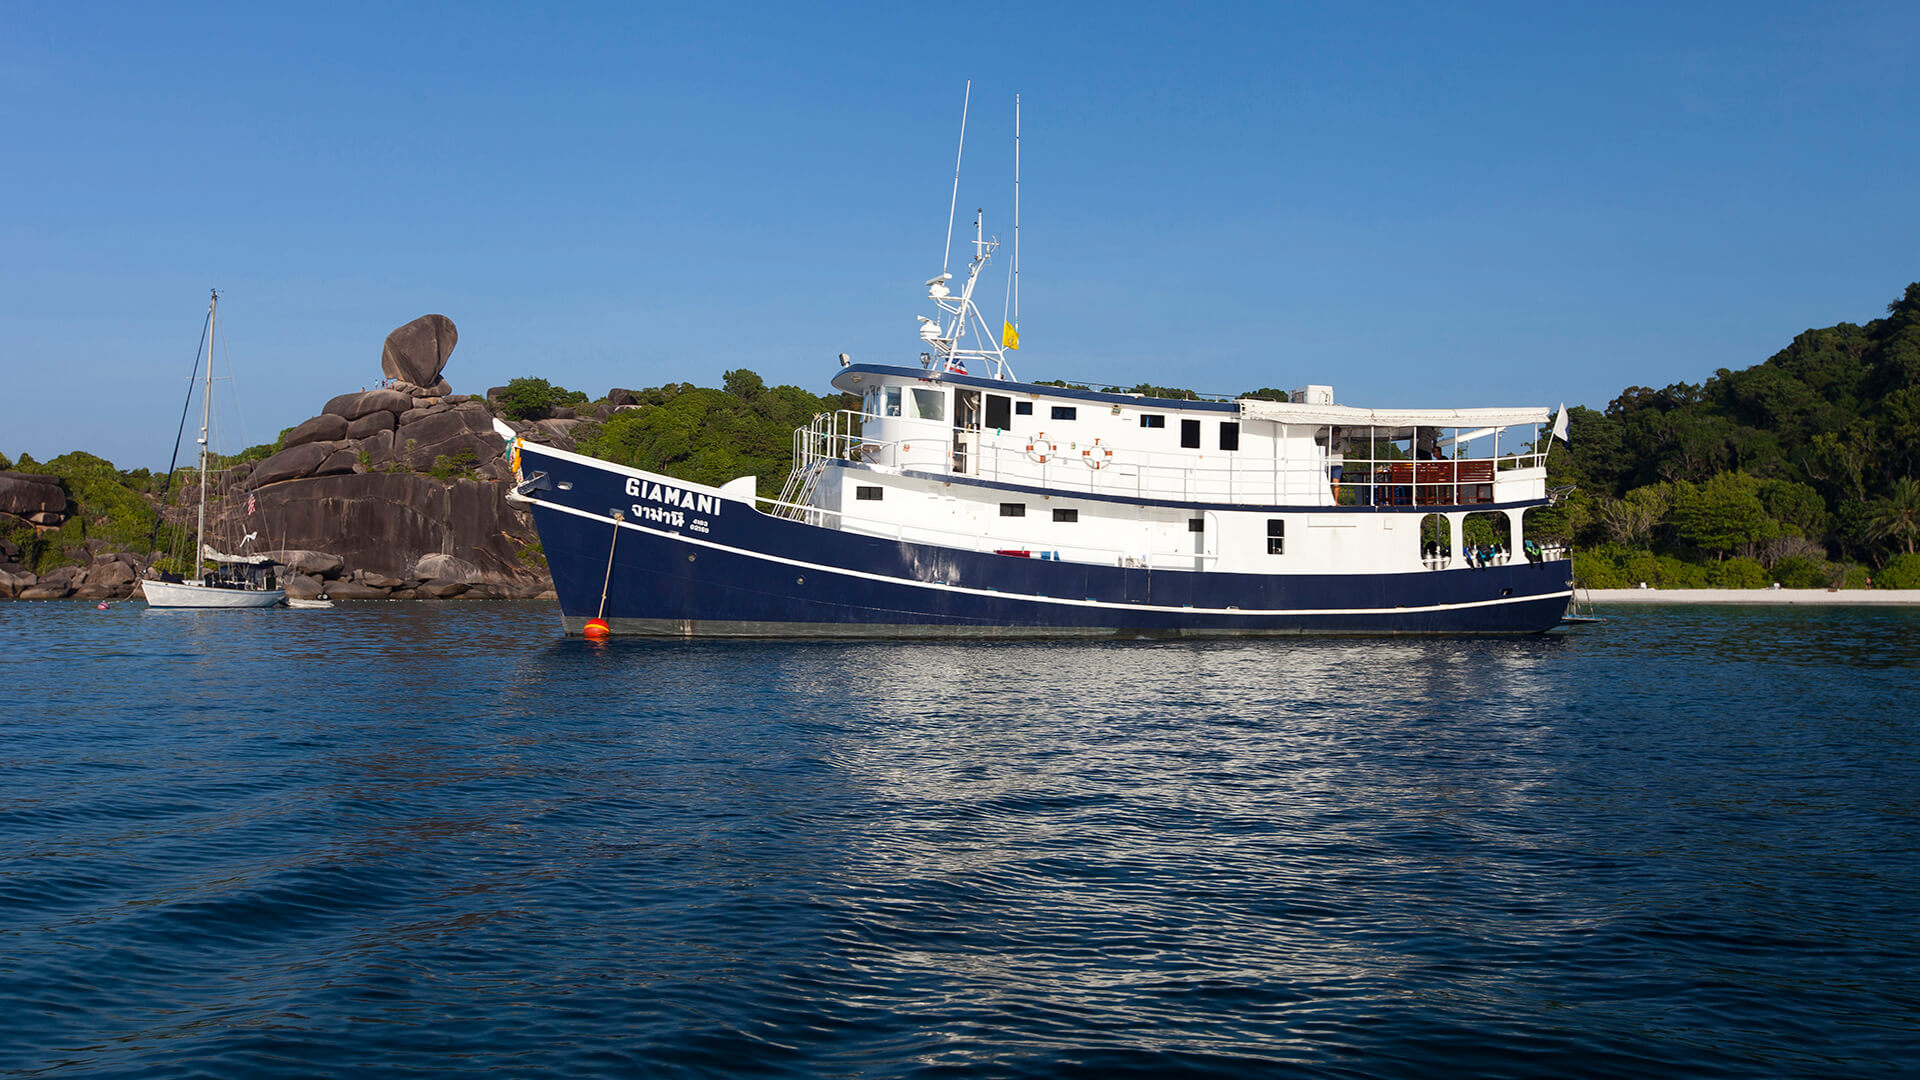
(999,411)
(1023,408)
(892,401)
(930,404)
(1230,435)
(1066,514)
(868,493)
(1013,509)
(1065,412)
(1153,420)
(1276,536)
(1190,434)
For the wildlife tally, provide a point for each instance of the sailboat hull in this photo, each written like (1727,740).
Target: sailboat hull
(192,594)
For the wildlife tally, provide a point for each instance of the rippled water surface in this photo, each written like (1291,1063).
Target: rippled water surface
(412,839)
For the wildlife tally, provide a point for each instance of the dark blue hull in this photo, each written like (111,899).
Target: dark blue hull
(724,569)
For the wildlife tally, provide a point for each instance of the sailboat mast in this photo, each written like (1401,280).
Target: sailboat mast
(206,422)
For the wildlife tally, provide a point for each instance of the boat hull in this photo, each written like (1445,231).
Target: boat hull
(728,570)
(191,594)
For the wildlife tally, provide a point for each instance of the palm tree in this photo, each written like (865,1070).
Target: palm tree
(1897,517)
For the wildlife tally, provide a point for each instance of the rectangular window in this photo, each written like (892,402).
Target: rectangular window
(999,412)
(1196,524)
(1190,434)
(893,401)
(1153,420)
(1066,515)
(867,493)
(1065,412)
(1023,408)
(1230,435)
(1013,509)
(930,404)
(1276,536)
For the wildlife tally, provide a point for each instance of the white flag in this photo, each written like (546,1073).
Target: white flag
(1560,424)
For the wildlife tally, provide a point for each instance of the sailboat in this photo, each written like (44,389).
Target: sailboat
(216,579)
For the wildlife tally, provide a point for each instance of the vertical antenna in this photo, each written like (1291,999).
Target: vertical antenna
(1010,309)
(955,201)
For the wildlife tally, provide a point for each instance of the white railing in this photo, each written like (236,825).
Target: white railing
(1224,476)
(968,540)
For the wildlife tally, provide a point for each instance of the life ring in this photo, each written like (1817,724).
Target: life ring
(1097,456)
(1039,449)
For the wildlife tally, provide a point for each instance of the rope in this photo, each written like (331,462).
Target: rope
(154,536)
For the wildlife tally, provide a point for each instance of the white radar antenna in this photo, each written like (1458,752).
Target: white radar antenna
(946,335)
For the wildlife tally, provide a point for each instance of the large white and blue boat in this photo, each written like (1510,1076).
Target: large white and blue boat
(957,501)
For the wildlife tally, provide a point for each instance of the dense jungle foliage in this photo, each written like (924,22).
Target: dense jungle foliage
(709,436)
(1798,470)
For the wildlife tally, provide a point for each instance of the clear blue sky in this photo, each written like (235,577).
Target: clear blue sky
(1423,206)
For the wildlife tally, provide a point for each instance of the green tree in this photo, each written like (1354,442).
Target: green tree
(1722,515)
(1897,517)
(1631,520)
(1901,572)
(1798,508)
(710,436)
(743,384)
(535,399)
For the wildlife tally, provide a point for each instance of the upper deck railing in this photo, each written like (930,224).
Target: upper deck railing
(1369,474)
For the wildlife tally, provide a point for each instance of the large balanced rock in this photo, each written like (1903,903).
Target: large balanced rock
(326,427)
(27,494)
(417,352)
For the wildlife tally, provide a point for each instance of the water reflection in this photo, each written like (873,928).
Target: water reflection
(371,833)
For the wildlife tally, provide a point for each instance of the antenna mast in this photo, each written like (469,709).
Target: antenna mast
(1013,280)
(947,253)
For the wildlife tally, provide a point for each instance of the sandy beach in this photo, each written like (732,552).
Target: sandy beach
(1749,596)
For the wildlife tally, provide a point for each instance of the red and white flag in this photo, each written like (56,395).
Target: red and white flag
(250,505)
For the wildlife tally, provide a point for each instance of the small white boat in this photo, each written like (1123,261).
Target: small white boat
(308,605)
(217,579)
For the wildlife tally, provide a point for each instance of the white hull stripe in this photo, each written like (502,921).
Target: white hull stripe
(1057,600)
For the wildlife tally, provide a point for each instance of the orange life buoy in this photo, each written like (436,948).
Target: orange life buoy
(1039,449)
(1097,456)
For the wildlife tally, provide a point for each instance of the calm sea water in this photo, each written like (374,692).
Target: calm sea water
(414,839)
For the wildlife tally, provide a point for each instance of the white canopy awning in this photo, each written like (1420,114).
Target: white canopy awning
(207,552)
(1347,416)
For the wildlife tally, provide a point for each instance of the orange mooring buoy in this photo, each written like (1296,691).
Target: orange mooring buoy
(597,628)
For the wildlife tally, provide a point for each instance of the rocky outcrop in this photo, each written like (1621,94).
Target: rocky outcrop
(463,427)
(384,523)
(33,497)
(327,427)
(417,352)
(292,463)
(359,502)
(356,405)
(369,424)
(13,579)
(320,564)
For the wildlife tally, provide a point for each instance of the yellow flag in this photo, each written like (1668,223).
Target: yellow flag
(1009,336)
